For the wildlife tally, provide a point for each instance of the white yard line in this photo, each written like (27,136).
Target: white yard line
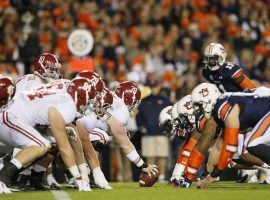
(60,195)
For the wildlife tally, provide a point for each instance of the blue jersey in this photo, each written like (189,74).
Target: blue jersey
(224,78)
(252,109)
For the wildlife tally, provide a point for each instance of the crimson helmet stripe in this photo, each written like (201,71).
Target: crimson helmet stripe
(98,134)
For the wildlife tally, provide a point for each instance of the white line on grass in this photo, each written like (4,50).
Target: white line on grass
(60,195)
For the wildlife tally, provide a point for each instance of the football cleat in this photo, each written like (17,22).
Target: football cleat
(4,188)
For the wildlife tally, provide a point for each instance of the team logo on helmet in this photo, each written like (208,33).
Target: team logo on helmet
(188,105)
(169,112)
(41,59)
(204,92)
(87,86)
(10,89)
(134,91)
(94,80)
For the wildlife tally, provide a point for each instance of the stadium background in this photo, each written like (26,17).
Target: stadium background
(163,39)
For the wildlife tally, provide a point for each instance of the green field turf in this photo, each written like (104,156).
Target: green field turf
(131,191)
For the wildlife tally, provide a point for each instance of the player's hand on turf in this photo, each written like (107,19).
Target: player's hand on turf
(176,180)
(83,186)
(151,170)
(100,179)
(186,183)
(205,182)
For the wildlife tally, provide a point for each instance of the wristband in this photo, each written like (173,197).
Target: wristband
(205,173)
(143,166)
(216,172)
(133,155)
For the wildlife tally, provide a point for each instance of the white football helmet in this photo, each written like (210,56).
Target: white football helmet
(214,56)
(165,119)
(204,97)
(183,115)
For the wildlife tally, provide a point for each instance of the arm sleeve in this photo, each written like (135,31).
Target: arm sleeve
(229,147)
(185,151)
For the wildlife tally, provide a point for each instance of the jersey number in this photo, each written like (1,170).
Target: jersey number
(229,66)
(39,95)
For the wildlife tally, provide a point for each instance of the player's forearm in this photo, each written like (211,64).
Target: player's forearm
(59,132)
(63,145)
(65,151)
(214,155)
(119,133)
(78,150)
(88,149)
(199,152)
(245,83)
(124,142)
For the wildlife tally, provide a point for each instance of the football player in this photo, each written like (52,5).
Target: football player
(183,125)
(234,112)
(46,69)
(32,143)
(113,119)
(46,107)
(227,76)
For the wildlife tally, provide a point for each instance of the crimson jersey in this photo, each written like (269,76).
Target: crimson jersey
(224,77)
(252,109)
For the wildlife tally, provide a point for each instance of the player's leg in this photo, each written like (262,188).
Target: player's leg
(17,134)
(258,141)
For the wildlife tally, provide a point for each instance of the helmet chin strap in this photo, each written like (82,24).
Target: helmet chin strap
(215,68)
(208,115)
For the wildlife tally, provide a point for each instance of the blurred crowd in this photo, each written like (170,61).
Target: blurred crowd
(138,39)
(161,37)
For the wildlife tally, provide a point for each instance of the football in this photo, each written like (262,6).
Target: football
(146,180)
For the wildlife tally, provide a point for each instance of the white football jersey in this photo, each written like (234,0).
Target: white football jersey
(32,106)
(118,110)
(98,134)
(28,82)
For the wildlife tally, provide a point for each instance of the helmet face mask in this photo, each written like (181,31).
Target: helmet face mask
(53,72)
(165,121)
(212,62)
(168,127)
(47,66)
(103,101)
(182,125)
(183,116)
